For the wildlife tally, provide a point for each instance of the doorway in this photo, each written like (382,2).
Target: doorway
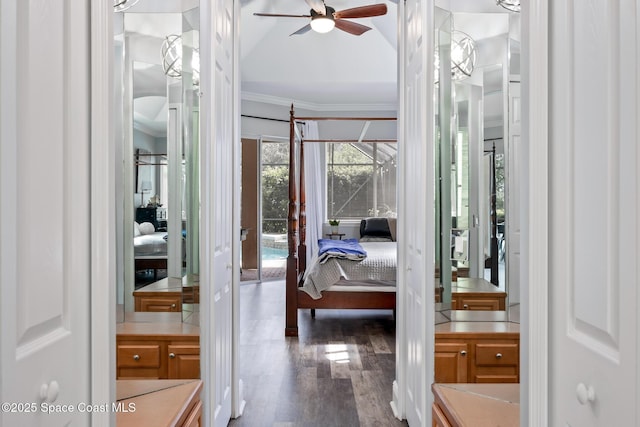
(265,180)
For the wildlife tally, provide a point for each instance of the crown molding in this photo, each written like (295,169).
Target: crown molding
(286,102)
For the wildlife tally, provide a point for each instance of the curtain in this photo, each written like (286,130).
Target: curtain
(314,167)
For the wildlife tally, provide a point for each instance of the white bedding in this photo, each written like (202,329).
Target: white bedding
(153,244)
(377,269)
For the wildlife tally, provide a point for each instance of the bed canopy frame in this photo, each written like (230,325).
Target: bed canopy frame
(296,298)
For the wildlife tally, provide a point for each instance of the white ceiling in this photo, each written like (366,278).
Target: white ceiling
(334,71)
(317,69)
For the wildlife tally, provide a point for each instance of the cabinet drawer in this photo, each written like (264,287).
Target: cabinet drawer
(485,304)
(498,354)
(159,304)
(138,356)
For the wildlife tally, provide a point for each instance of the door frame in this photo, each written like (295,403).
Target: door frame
(103,226)
(534,335)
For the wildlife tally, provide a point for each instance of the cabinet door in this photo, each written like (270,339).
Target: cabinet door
(451,362)
(184,361)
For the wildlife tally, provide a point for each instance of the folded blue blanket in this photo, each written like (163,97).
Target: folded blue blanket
(347,249)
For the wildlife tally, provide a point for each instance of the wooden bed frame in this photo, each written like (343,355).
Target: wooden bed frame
(151,264)
(296,298)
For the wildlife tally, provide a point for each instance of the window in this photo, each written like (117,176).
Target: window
(361,180)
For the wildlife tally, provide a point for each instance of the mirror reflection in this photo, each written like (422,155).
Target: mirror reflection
(157,84)
(477,80)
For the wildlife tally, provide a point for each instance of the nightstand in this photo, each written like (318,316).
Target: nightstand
(335,236)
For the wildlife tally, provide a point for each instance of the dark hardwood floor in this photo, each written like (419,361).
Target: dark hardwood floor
(338,372)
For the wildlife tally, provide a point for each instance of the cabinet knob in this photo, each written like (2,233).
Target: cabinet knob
(466,306)
(172,355)
(585,394)
(499,356)
(173,306)
(136,357)
(463,353)
(49,392)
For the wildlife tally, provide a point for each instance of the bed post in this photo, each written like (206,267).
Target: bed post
(302,247)
(291,315)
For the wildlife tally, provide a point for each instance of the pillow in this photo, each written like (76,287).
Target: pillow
(375,227)
(147,228)
(136,229)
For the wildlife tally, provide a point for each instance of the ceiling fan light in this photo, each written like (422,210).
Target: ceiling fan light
(322,24)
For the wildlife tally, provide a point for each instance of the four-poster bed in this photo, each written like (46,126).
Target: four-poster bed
(336,297)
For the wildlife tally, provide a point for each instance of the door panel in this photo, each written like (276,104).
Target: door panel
(418,164)
(594,213)
(45,209)
(514,215)
(217,208)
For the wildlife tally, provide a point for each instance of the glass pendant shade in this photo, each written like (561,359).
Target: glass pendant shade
(172,55)
(463,55)
(512,5)
(122,5)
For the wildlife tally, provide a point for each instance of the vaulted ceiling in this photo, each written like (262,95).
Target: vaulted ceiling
(317,70)
(336,70)
(333,71)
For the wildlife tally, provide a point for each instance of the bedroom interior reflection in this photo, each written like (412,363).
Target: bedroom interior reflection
(156,79)
(472,145)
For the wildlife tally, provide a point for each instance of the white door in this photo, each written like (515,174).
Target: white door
(594,213)
(513,216)
(217,233)
(416,192)
(44,212)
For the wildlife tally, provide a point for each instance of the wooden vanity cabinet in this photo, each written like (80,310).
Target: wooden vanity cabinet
(476,294)
(168,294)
(477,357)
(157,351)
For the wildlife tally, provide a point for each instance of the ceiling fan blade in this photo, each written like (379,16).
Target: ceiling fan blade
(302,30)
(282,15)
(362,11)
(351,27)
(318,6)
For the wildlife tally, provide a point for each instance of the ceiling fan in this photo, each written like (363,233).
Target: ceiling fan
(324,18)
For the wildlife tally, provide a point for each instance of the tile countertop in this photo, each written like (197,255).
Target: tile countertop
(479,405)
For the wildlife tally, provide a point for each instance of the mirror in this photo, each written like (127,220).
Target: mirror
(472,145)
(157,134)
